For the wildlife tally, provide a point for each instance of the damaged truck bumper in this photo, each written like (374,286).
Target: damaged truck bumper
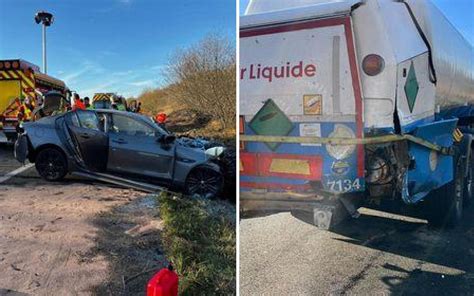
(325,212)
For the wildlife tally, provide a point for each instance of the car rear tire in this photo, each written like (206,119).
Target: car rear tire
(51,164)
(204,181)
(445,205)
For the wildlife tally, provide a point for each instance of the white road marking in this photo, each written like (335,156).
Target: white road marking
(15,172)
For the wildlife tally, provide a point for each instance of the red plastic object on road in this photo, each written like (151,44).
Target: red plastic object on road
(163,283)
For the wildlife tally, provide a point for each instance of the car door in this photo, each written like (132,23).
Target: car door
(90,141)
(134,149)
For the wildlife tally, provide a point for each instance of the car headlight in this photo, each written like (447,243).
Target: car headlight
(341,151)
(214,151)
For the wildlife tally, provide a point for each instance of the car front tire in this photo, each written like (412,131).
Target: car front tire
(204,181)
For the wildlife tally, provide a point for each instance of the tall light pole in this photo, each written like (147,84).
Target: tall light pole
(46,19)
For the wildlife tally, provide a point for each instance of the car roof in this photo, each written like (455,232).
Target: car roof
(126,113)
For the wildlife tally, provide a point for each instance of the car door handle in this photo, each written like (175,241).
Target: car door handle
(120,141)
(85,135)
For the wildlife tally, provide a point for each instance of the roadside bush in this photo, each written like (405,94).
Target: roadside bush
(203,77)
(200,241)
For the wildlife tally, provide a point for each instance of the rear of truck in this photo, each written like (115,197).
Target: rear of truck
(338,106)
(299,80)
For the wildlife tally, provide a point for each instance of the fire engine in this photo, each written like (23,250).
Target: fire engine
(22,91)
(106,100)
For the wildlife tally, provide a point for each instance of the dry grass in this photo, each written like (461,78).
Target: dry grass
(157,100)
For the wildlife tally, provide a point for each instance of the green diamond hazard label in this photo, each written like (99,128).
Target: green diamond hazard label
(411,87)
(271,121)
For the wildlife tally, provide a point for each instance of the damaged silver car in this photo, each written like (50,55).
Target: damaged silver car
(123,148)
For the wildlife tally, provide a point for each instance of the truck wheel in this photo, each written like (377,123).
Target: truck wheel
(51,164)
(469,182)
(445,205)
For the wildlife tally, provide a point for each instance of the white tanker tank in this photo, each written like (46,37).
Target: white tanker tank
(401,33)
(453,55)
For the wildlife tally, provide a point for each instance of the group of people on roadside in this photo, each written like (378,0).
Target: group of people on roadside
(25,107)
(117,104)
(83,104)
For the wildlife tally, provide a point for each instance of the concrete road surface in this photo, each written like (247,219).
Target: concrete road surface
(377,254)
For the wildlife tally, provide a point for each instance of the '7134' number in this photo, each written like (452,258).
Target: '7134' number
(344,185)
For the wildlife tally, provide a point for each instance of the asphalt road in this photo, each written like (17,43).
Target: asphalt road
(7,162)
(376,254)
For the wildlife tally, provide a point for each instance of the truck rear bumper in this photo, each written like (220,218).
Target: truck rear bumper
(324,212)
(278,201)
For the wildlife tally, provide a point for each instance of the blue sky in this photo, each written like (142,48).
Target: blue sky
(110,45)
(459,12)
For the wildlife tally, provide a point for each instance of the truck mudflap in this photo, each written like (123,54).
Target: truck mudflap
(429,169)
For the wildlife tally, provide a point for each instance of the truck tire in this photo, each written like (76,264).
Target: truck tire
(469,182)
(445,204)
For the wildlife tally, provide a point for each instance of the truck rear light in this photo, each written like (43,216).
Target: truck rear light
(291,166)
(373,64)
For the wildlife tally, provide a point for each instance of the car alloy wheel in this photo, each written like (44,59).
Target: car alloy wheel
(51,164)
(204,181)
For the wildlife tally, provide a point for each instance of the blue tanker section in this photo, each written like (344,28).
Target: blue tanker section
(337,176)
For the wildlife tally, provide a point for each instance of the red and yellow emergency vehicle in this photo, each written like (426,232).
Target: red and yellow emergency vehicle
(22,86)
(108,100)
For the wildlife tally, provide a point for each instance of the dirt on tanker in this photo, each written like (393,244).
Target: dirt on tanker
(76,238)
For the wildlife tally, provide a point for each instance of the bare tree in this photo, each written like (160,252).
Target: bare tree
(203,77)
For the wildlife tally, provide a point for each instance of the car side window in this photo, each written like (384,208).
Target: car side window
(129,126)
(88,119)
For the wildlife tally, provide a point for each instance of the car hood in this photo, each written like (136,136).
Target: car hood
(200,146)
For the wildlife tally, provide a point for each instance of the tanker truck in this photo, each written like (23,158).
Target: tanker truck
(349,104)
